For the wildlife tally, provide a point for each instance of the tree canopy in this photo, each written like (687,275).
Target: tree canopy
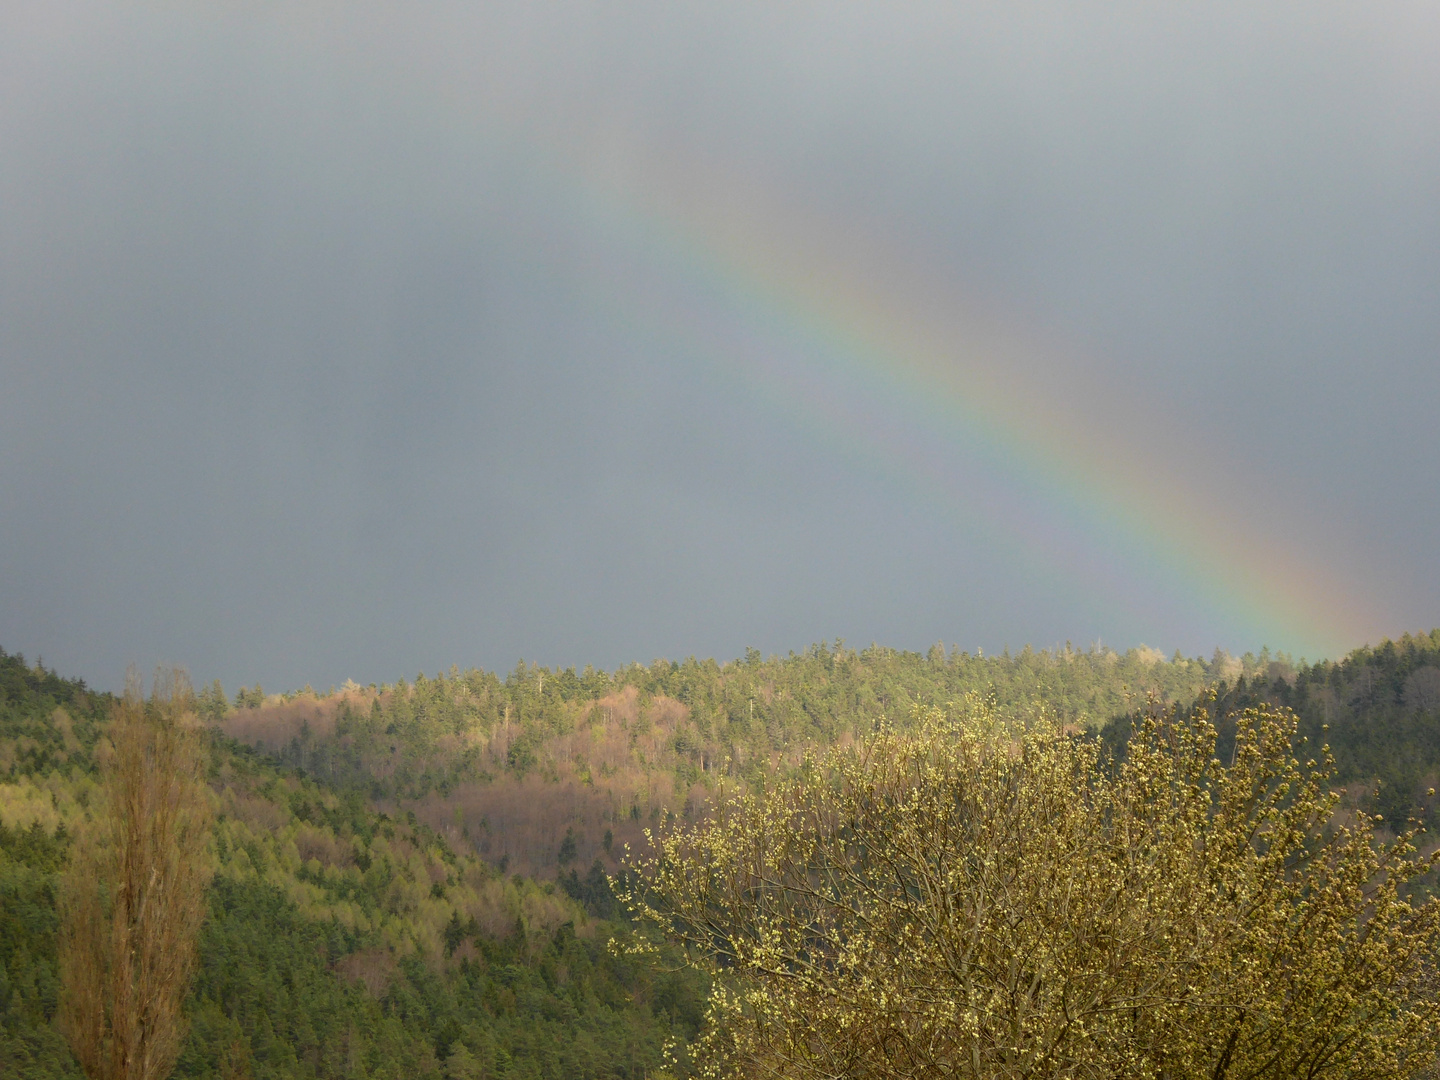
(966,899)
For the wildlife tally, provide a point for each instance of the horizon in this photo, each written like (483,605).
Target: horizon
(1147,653)
(344,343)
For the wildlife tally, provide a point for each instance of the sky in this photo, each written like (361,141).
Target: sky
(352,341)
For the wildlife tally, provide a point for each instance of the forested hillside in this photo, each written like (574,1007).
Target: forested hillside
(544,770)
(1379,711)
(339,943)
(411,878)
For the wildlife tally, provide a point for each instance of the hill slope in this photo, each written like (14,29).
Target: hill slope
(367,919)
(541,770)
(340,942)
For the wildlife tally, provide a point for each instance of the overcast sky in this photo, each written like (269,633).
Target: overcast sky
(347,341)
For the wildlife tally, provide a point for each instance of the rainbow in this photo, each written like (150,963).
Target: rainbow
(855,341)
(891,363)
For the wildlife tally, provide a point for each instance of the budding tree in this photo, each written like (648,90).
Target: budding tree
(962,902)
(134,895)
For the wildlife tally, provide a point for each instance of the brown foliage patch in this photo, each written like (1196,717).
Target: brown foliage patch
(321,844)
(621,707)
(274,725)
(259,813)
(524,821)
(467,950)
(373,967)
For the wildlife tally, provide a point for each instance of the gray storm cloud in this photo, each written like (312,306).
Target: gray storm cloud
(308,375)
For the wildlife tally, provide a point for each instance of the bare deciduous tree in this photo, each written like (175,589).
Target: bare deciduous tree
(134,895)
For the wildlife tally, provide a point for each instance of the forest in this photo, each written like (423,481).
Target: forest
(540,770)
(420,878)
(339,941)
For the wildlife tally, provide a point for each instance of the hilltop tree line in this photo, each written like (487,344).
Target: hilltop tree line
(509,767)
(1378,709)
(594,754)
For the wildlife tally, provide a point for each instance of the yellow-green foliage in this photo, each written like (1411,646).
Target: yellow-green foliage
(51,801)
(957,901)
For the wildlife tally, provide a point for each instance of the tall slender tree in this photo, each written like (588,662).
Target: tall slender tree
(134,896)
